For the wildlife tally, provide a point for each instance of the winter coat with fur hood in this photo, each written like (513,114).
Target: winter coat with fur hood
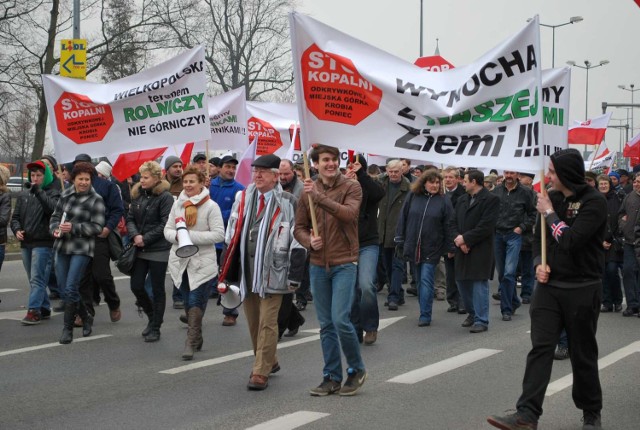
(148,215)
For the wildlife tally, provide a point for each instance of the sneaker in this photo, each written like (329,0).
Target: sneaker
(496,296)
(452,308)
(354,382)
(393,306)
(327,387)
(511,422)
(562,353)
(478,328)
(526,300)
(468,322)
(506,317)
(45,313)
(617,308)
(629,312)
(32,318)
(591,420)
(413,291)
(370,337)
(606,308)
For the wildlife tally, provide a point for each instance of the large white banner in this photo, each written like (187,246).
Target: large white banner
(556,89)
(272,124)
(228,118)
(353,95)
(164,105)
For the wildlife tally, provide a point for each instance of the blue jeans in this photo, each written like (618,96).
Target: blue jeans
(527,273)
(426,277)
(198,297)
(1,255)
(507,248)
(37,263)
(395,269)
(333,292)
(70,269)
(364,312)
(475,296)
(630,277)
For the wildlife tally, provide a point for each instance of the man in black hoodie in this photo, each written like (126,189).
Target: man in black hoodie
(568,293)
(364,312)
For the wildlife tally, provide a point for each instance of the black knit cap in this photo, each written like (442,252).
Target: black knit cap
(569,166)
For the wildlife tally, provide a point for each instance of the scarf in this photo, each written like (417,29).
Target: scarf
(191,211)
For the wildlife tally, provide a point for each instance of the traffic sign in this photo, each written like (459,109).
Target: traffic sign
(73,58)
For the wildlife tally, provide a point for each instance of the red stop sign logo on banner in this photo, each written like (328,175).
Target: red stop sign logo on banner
(80,119)
(269,139)
(434,63)
(334,90)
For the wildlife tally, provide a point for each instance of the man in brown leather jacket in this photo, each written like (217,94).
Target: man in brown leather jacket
(333,267)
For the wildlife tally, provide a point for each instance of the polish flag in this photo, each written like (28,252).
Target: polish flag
(589,132)
(632,148)
(602,152)
(128,164)
(181,151)
(243,172)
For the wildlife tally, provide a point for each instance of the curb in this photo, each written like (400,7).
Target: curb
(12,256)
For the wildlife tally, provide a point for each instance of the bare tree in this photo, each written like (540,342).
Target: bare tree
(17,134)
(29,39)
(246,41)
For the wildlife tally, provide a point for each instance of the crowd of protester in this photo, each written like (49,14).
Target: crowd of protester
(336,238)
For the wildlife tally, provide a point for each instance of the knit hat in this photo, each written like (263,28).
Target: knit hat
(104,169)
(170,161)
(52,160)
(569,166)
(82,157)
(591,175)
(615,174)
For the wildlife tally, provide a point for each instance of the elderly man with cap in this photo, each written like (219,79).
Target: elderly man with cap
(30,225)
(223,190)
(271,261)
(173,169)
(568,293)
(98,273)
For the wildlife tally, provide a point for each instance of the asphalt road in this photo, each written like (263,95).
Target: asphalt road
(437,377)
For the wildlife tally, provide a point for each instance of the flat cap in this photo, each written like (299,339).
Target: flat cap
(268,161)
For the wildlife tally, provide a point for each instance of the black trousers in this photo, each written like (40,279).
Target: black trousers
(453,296)
(552,309)
(98,276)
(157,271)
(288,317)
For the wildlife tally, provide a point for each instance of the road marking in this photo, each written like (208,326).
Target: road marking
(282,345)
(51,345)
(443,366)
(384,323)
(567,381)
(8,290)
(290,421)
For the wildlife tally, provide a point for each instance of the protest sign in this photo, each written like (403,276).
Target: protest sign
(353,95)
(161,106)
(228,119)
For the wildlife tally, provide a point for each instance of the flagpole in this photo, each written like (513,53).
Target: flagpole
(543,225)
(312,206)
(594,155)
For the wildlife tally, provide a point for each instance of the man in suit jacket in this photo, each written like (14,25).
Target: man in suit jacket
(474,224)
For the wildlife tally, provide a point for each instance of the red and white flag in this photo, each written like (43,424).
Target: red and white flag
(243,172)
(632,148)
(589,132)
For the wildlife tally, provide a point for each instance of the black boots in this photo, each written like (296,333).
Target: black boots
(69,316)
(147,330)
(156,319)
(86,317)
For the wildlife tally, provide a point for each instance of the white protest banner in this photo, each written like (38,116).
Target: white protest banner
(273,125)
(353,95)
(556,89)
(164,105)
(604,162)
(228,117)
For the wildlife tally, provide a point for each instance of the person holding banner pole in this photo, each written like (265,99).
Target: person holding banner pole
(568,293)
(327,225)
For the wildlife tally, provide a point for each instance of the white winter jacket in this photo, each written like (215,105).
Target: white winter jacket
(208,230)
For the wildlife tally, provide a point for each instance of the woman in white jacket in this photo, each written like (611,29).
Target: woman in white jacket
(193,274)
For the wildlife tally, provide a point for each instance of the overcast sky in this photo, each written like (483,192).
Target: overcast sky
(468,28)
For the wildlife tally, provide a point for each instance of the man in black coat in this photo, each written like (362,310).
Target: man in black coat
(568,293)
(453,190)
(474,225)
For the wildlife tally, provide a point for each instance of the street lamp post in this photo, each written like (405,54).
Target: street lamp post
(631,90)
(421,26)
(572,20)
(587,65)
